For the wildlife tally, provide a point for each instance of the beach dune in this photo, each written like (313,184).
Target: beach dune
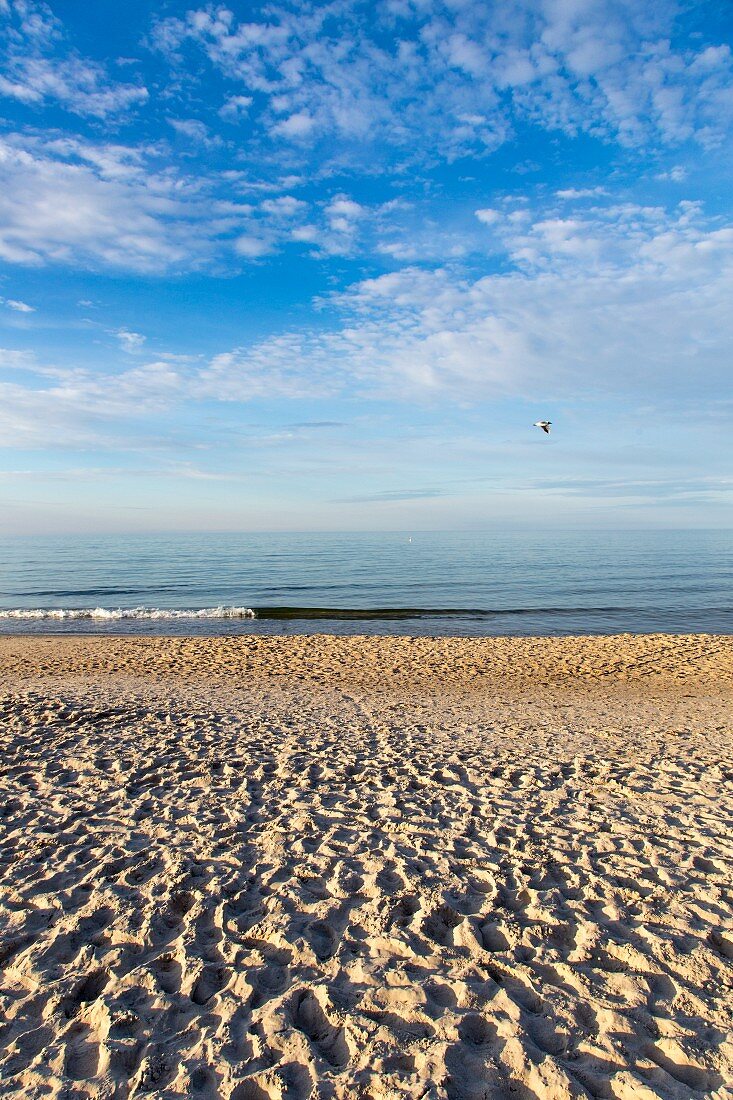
(295,867)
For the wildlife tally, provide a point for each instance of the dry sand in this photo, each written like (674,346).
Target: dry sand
(321,867)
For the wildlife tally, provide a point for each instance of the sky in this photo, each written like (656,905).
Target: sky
(303,266)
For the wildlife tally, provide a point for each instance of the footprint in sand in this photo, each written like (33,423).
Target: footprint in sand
(208,932)
(440,925)
(81,1059)
(124,1056)
(167,970)
(28,1046)
(96,922)
(309,1017)
(494,938)
(723,943)
(87,990)
(323,938)
(245,909)
(389,881)
(203,1081)
(156,1071)
(546,1037)
(441,996)
(470,1077)
(210,981)
(269,982)
(476,1031)
(404,910)
(166,924)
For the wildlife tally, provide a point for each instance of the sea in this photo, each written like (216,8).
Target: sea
(424,583)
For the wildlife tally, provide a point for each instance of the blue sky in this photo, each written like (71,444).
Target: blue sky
(300,266)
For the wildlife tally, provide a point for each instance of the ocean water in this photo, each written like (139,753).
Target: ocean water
(548,583)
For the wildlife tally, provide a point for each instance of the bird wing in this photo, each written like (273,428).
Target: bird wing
(546,428)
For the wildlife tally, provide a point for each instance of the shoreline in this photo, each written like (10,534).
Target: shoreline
(266,867)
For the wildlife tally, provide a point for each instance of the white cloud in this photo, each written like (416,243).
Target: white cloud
(16,360)
(79,86)
(458,77)
(342,207)
(252,247)
(572,193)
(647,321)
(80,407)
(677,174)
(129,341)
(67,200)
(235,107)
(633,300)
(713,59)
(195,130)
(36,72)
(19,307)
(298,125)
(64,202)
(307,234)
(284,206)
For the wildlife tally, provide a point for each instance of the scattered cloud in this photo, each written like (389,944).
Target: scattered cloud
(17,306)
(61,202)
(676,174)
(295,127)
(81,408)
(196,131)
(235,107)
(614,300)
(252,248)
(39,67)
(13,359)
(623,299)
(342,210)
(459,78)
(573,193)
(316,425)
(67,201)
(131,342)
(284,206)
(315,87)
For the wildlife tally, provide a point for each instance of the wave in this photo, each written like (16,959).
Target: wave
(334,614)
(356,613)
(115,614)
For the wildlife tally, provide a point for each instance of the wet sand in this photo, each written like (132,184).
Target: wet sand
(301,867)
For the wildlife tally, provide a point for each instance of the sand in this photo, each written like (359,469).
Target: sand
(259,868)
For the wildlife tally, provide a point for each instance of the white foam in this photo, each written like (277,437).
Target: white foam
(111,614)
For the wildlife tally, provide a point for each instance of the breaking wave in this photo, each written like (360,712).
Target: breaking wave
(104,614)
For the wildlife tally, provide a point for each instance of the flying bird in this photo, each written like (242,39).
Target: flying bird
(544,424)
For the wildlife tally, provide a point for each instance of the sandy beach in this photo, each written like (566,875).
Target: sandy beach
(299,867)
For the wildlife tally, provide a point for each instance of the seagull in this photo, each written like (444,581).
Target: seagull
(544,424)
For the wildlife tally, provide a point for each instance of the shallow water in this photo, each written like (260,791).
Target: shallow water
(477,583)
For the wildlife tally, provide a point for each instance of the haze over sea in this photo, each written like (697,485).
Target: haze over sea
(478,583)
